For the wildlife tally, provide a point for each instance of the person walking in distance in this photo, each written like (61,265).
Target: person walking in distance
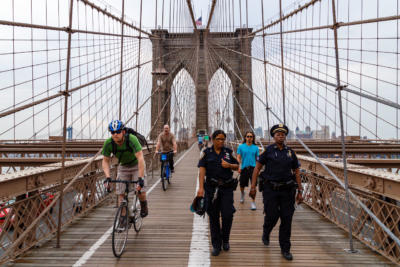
(247,154)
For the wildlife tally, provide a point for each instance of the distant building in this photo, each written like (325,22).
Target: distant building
(321,134)
(307,134)
(266,134)
(259,131)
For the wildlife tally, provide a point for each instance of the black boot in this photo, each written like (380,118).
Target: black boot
(216,251)
(144,211)
(265,240)
(287,255)
(226,246)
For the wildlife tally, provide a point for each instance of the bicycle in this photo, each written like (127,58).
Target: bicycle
(165,169)
(122,223)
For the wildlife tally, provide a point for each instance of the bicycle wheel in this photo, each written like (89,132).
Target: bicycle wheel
(164,181)
(120,231)
(137,219)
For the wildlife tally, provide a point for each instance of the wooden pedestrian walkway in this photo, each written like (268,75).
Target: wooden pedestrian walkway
(166,235)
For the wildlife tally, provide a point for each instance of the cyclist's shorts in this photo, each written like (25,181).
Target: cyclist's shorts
(128,173)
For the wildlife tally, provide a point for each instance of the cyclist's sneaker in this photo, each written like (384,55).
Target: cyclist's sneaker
(144,211)
(253,205)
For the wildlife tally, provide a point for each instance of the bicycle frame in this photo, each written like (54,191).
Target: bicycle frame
(165,169)
(125,201)
(120,233)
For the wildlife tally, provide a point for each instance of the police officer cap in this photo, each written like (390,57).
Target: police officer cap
(198,206)
(279,128)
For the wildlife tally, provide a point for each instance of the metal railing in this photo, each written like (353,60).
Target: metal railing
(327,197)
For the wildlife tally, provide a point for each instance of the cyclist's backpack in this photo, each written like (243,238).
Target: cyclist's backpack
(130,147)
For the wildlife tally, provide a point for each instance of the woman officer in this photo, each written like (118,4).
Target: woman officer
(216,164)
(281,170)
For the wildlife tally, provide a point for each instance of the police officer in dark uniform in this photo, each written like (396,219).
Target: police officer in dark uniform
(281,178)
(216,164)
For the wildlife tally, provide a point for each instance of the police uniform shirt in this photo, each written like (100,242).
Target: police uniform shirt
(210,160)
(278,163)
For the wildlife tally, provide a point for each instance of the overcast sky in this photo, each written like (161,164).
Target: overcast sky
(381,51)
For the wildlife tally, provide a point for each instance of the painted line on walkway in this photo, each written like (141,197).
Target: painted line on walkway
(89,253)
(199,246)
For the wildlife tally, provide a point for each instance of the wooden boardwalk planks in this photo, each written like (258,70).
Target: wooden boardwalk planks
(166,235)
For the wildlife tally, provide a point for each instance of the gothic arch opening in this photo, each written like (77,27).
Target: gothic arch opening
(183,105)
(220,103)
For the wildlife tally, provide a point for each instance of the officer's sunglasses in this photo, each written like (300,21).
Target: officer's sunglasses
(249,136)
(116,132)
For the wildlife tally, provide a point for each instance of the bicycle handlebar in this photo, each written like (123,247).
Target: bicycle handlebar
(171,151)
(126,182)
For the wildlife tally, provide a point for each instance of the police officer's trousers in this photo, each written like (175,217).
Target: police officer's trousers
(222,207)
(279,204)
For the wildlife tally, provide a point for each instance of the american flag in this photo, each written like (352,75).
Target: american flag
(198,22)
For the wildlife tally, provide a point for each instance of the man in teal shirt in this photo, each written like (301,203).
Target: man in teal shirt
(130,158)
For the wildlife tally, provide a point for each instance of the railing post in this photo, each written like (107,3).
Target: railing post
(66,94)
(339,90)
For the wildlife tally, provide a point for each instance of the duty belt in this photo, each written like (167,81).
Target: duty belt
(277,186)
(215,182)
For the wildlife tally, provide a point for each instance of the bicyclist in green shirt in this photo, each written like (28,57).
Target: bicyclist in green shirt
(131,161)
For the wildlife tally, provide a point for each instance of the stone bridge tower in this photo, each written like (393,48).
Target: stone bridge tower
(175,51)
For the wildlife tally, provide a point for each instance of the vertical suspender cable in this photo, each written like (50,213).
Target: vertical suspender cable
(121,59)
(342,127)
(265,68)
(162,15)
(155,23)
(138,68)
(283,75)
(169,24)
(233,16)
(66,94)
(240,13)
(247,15)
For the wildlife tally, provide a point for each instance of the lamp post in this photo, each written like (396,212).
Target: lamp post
(160,74)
